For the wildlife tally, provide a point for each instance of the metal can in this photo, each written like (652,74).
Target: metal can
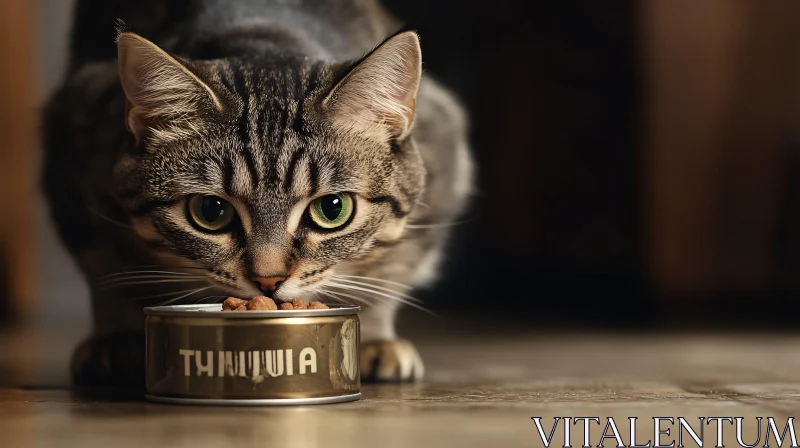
(199,354)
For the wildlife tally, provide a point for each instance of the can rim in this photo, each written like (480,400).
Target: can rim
(254,401)
(213,310)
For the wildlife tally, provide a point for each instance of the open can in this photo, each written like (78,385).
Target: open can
(199,354)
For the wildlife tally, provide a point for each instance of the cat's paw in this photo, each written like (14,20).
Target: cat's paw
(390,361)
(113,360)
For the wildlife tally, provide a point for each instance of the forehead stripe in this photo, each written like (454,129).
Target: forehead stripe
(243,125)
(223,71)
(250,163)
(279,137)
(262,123)
(227,176)
(313,176)
(288,181)
(277,145)
(299,124)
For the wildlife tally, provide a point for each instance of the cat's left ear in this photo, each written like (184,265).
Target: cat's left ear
(164,98)
(378,96)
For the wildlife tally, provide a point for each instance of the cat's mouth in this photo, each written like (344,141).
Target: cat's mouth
(289,291)
(285,290)
(280,288)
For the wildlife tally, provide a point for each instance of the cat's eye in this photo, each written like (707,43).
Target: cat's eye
(210,213)
(331,211)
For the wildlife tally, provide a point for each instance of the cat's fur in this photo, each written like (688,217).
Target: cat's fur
(268,104)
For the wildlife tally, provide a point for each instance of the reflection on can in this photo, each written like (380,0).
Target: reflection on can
(198,354)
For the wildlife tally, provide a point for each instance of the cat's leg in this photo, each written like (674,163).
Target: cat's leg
(390,361)
(384,357)
(110,360)
(114,355)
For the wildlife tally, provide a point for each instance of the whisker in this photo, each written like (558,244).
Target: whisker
(149,277)
(383,296)
(175,266)
(149,282)
(330,296)
(365,301)
(210,297)
(137,268)
(338,296)
(118,281)
(393,297)
(184,296)
(166,294)
(381,288)
(317,293)
(117,274)
(376,279)
(111,220)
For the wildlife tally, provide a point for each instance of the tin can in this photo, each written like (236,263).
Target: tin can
(199,354)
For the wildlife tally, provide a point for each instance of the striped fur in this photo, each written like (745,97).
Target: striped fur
(251,112)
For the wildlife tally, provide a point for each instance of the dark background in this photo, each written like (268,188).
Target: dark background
(566,99)
(637,161)
(552,89)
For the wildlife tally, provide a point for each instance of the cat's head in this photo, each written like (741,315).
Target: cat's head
(269,173)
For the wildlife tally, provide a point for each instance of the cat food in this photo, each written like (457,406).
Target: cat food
(232,303)
(259,303)
(262,303)
(200,354)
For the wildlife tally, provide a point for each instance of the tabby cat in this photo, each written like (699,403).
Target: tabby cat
(249,147)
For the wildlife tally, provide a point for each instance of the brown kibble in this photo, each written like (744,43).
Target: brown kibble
(262,303)
(232,303)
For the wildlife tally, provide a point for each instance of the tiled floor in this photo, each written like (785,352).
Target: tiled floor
(485,380)
(482,389)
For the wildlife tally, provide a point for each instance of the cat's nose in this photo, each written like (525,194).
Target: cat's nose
(269,284)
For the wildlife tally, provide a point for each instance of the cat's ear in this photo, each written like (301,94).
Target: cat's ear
(379,94)
(164,98)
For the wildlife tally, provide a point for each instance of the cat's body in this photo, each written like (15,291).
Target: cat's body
(268,110)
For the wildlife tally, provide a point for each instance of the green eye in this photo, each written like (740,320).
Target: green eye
(210,213)
(331,211)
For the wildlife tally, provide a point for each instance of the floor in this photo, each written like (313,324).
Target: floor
(485,381)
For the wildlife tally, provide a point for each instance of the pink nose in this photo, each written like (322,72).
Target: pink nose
(269,284)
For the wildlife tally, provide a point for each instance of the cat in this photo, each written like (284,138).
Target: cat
(293,149)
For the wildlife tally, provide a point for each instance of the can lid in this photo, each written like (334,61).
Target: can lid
(215,310)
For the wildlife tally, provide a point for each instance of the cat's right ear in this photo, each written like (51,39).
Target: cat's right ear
(378,96)
(164,98)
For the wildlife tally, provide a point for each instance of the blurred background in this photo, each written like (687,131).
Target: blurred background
(638,161)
